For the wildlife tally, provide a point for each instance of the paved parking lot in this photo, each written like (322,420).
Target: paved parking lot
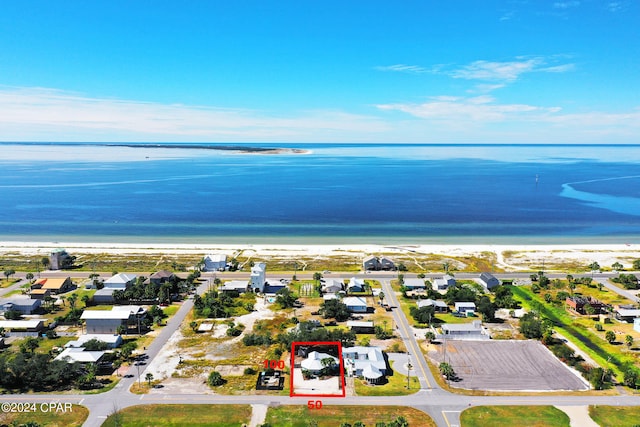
(507,365)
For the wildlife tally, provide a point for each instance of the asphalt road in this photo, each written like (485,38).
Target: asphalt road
(442,406)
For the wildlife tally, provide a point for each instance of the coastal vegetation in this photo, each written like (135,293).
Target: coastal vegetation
(74,417)
(615,416)
(174,414)
(336,415)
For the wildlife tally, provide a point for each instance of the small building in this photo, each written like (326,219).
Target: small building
(80,355)
(40,294)
(366,362)
(488,280)
(636,324)
(387,264)
(112,341)
(328,297)
(313,363)
(59,259)
(258,277)
(332,286)
(355,304)
(443,283)
(578,304)
(464,331)
(31,325)
(438,306)
(465,307)
(413,284)
(361,327)
(161,277)
(20,303)
(239,286)
(626,313)
(120,281)
(54,285)
(104,296)
(105,322)
(215,262)
(355,285)
(371,263)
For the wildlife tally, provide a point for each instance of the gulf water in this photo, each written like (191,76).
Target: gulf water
(379,193)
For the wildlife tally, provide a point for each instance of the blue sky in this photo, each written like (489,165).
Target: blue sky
(332,71)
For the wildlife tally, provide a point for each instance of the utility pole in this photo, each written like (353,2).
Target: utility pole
(408,368)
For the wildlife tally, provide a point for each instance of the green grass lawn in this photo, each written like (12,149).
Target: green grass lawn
(333,416)
(73,418)
(615,416)
(181,415)
(508,416)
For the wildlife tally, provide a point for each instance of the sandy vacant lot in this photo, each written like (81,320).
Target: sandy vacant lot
(508,366)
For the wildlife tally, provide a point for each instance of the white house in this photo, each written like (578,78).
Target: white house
(444,282)
(367,362)
(465,307)
(412,284)
(215,262)
(438,306)
(258,276)
(80,355)
(464,331)
(113,341)
(313,362)
(234,285)
(20,303)
(31,325)
(332,286)
(488,280)
(120,281)
(103,296)
(355,304)
(355,285)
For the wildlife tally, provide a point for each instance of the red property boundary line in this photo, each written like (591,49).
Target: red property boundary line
(322,343)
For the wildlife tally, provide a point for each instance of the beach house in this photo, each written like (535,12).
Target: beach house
(465,307)
(20,303)
(54,285)
(355,304)
(488,280)
(215,262)
(443,283)
(438,306)
(161,277)
(371,263)
(464,331)
(366,362)
(316,362)
(59,259)
(258,277)
(413,283)
(108,322)
(355,285)
(120,281)
(332,286)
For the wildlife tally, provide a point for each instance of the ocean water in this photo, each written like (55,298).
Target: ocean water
(330,193)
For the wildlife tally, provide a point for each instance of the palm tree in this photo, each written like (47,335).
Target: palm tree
(381,296)
(85,299)
(72,300)
(445,267)
(617,266)
(327,364)
(29,276)
(149,377)
(628,340)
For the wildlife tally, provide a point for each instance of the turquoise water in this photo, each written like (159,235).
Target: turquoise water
(332,193)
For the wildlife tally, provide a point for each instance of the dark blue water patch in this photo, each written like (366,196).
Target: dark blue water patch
(307,195)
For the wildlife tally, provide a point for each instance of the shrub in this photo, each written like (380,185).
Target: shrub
(249,371)
(215,379)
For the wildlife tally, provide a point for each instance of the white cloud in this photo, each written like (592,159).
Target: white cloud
(476,110)
(502,71)
(403,68)
(566,4)
(40,113)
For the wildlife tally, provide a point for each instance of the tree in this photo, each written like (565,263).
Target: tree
(12,314)
(317,276)
(45,262)
(29,276)
(487,309)
(616,266)
(531,325)
(285,298)
(430,336)
(215,379)
(334,309)
(328,364)
(610,336)
(51,334)
(121,329)
(193,325)
(9,272)
(631,377)
(588,308)
(381,297)
(628,340)
(447,371)
(422,314)
(29,345)
(594,266)
(149,378)
(85,300)
(636,264)
(72,300)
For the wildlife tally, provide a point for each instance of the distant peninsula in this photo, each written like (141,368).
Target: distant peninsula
(238,148)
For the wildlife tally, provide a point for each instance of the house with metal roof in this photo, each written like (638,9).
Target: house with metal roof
(120,281)
(366,362)
(355,304)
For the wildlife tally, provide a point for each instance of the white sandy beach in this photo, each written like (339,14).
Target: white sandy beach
(509,257)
